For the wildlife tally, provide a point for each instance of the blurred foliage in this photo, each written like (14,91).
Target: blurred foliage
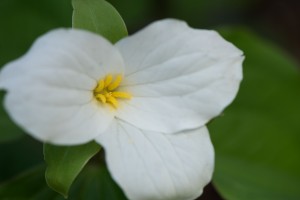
(257,139)
(93,183)
(23,21)
(212,12)
(9,131)
(137,13)
(18,155)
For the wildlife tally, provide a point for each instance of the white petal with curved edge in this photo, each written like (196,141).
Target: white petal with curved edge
(80,55)
(49,90)
(155,166)
(179,77)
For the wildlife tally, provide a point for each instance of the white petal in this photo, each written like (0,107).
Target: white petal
(180,77)
(49,90)
(79,54)
(155,166)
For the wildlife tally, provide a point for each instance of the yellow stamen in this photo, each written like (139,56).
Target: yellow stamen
(100,86)
(105,92)
(122,95)
(107,80)
(113,101)
(101,97)
(108,94)
(115,83)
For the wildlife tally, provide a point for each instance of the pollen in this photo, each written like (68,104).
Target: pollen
(107,91)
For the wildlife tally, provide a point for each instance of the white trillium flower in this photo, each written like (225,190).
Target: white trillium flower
(146,100)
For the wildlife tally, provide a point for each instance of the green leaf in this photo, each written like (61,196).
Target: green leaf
(65,163)
(100,17)
(257,139)
(93,183)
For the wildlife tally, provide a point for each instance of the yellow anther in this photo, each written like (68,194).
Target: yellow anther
(101,97)
(122,95)
(113,101)
(115,83)
(100,86)
(105,92)
(108,94)
(107,80)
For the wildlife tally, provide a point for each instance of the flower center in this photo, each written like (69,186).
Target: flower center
(105,91)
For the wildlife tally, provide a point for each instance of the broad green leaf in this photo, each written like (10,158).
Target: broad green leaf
(257,140)
(100,17)
(93,183)
(65,162)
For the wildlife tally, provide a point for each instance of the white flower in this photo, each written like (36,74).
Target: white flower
(146,100)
